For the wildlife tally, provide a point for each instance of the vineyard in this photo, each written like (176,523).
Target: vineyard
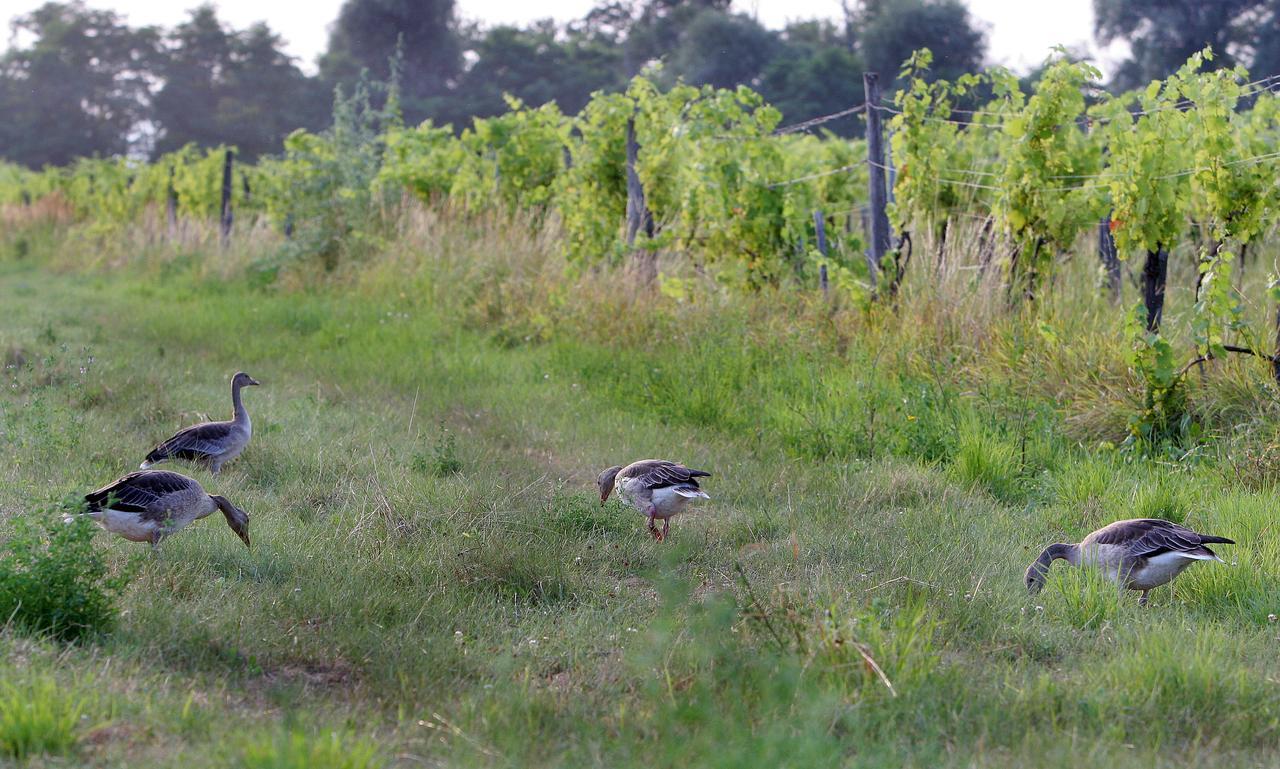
(1184,168)
(1009,315)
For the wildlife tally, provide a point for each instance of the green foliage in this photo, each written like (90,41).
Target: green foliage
(1045,200)
(325,183)
(1163,420)
(39,716)
(53,580)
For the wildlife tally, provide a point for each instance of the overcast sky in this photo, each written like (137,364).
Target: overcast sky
(1019,32)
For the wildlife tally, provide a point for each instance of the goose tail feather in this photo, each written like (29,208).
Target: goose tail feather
(692,493)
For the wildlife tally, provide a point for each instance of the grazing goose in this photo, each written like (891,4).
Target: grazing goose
(210,443)
(655,487)
(1139,554)
(148,505)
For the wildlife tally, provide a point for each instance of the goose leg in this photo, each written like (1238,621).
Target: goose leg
(1142,599)
(653,529)
(666,525)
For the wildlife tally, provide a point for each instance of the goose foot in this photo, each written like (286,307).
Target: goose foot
(653,530)
(1142,599)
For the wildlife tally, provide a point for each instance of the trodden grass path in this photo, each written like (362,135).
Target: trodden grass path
(433,581)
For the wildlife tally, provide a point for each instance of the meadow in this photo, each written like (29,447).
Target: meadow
(433,580)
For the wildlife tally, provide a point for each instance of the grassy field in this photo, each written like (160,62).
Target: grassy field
(434,582)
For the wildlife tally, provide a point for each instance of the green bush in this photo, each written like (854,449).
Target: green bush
(53,580)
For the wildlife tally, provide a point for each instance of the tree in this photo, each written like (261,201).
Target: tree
(1164,33)
(221,86)
(79,89)
(891,30)
(814,73)
(367,33)
(722,49)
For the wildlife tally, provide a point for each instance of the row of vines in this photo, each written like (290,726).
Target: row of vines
(1189,159)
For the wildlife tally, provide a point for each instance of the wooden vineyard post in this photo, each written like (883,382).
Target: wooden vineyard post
(820,227)
(171,207)
(1110,259)
(639,217)
(875,171)
(1154,275)
(1275,359)
(226,198)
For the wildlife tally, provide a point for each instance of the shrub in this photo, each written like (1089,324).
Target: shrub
(53,580)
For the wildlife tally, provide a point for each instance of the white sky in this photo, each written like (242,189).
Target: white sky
(1019,32)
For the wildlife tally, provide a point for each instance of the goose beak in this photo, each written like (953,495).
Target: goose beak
(253,381)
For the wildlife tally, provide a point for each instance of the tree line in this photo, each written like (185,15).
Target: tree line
(83,82)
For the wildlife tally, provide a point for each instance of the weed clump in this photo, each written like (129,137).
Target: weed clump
(38,717)
(442,460)
(296,750)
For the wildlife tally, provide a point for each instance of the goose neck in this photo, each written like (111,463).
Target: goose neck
(240,414)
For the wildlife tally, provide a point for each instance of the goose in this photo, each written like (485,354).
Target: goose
(148,505)
(655,487)
(1138,554)
(212,444)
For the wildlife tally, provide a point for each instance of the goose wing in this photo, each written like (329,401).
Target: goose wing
(659,473)
(195,442)
(1148,537)
(140,492)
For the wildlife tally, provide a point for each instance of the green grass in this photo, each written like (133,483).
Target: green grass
(38,716)
(433,579)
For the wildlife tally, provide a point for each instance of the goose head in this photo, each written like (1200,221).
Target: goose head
(237,519)
(242,379)
(1038,571)
(1035,577)
(605,482)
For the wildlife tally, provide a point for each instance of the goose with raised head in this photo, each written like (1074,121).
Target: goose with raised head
(148,505)
(211,444)
(1138,554)
(655,487)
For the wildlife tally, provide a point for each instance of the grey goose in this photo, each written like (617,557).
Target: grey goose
(211,444)
(655,487)
(1138,554)
(148,505)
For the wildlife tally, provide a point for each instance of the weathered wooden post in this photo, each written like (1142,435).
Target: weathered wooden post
(171,207)
(820,227)
(1110,259)
(1275,359)
(1154,275)
(226,198)
(875,167)
(639,217)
